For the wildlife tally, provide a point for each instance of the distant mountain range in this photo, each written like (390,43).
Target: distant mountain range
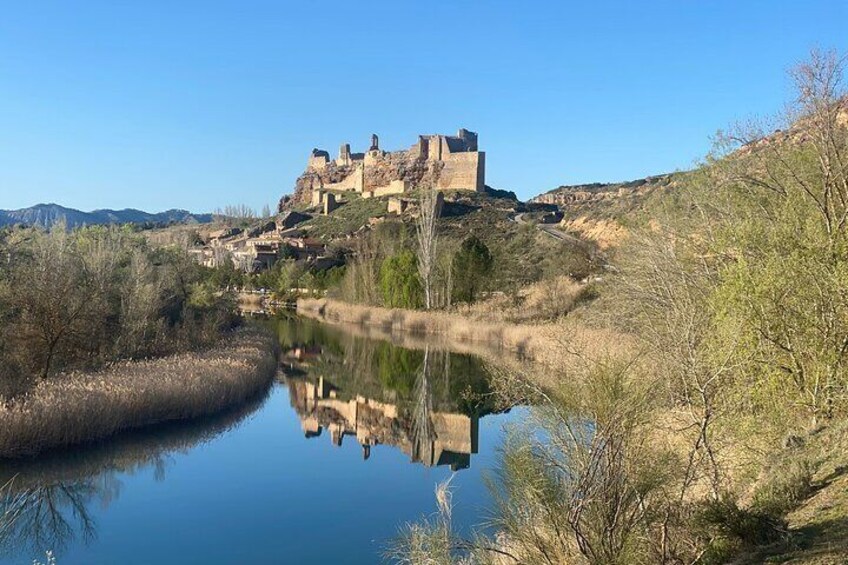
(47,215)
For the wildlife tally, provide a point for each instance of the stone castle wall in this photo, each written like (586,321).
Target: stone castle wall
(440,161)
(463,171)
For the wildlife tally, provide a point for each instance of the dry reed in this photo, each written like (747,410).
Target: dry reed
(550,344)
(80,407)
(544,301)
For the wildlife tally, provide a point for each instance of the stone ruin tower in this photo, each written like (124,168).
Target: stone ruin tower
(446,162)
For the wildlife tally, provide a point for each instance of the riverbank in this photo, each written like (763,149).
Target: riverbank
(82,407)
(550,344)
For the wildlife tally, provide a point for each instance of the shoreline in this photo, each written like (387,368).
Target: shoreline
(550,345)
(522,340)
(125,451)
(79,408)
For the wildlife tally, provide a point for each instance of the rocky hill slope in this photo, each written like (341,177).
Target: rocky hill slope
(598,211)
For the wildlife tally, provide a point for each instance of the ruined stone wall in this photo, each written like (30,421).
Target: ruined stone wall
(463,171)
(331,175)
(394,187)
(444,162)
(401,166)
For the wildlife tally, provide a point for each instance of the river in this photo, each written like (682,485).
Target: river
(346,446)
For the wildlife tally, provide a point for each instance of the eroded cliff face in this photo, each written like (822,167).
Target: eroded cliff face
(381,171)
(400,165)
(313,179)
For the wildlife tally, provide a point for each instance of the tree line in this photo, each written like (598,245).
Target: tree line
(76,300)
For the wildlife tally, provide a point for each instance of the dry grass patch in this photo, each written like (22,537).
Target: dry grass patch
(606,233)
(544,301)
(80,407)
(553,345)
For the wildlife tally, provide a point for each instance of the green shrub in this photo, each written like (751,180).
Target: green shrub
(786,487)
(472,265)
(399,281)
(729,528)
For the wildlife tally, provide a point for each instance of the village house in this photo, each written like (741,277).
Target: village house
(260,248)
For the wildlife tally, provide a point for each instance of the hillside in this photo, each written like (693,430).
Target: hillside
(47,215)
(600,212)
(524,252)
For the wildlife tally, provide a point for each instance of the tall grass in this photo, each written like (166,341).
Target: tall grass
(550,299)
(80,407)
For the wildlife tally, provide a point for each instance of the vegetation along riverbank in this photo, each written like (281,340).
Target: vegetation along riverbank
(694,402)
(100,332)
(79,407)
(467,331)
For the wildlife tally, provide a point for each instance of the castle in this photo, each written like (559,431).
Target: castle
(444,162)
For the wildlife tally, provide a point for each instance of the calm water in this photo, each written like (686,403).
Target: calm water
(346,446)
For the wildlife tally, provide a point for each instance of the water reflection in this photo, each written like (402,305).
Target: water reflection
(49,516)
(426,403)
(46,502)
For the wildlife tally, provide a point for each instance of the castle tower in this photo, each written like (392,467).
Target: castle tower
(318,159)
(344,155)
(469,139)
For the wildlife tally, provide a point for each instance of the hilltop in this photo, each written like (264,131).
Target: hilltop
(443,162)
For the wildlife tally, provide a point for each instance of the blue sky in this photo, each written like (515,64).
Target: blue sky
(197,105)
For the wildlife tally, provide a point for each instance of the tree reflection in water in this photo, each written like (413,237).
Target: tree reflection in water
(46,502)
(425,402)
(423,435)
(42,518)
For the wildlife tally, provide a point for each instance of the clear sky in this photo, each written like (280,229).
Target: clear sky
(197,105)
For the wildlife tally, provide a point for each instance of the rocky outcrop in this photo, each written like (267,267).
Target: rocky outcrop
(290,219)
(385,168)
(599,192)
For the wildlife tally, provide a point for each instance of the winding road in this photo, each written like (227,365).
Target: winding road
(550,229)
(553,231)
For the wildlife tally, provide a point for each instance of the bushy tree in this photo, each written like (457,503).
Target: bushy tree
(399,281)
(226,275)
(472,266)
(291,274)
(361,280)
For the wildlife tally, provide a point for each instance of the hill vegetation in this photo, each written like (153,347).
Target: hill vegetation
(714,431)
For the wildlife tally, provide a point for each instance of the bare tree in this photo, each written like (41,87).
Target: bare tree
(423,433)
(54,292)
(46,516)
(427,241)
(238,212)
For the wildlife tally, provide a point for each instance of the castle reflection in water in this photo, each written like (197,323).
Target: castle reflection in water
(371,422)
(427,404)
